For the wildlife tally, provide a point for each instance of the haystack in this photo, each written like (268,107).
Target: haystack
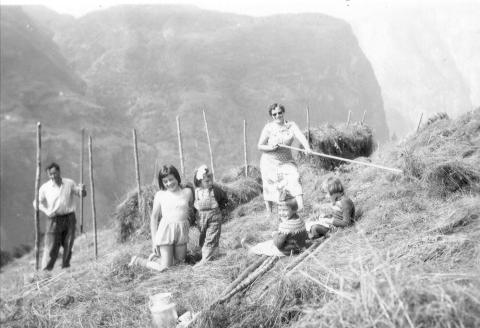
(129,221)
(239,172)
(445,154)
(343,141)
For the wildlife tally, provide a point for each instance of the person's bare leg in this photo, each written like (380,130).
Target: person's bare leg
(269,205)
(180,253)
(166,255)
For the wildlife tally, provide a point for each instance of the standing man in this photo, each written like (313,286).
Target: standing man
(57,202)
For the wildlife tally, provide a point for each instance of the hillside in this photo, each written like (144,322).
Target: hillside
(410,260)
(140,66)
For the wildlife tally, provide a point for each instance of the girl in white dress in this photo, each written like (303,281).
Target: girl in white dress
(171,206)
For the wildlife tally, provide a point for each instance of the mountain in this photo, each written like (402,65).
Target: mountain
(424,56)
(140,66)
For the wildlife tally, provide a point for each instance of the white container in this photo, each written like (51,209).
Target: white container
(164,312)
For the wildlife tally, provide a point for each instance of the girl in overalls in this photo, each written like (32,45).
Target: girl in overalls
(209,201)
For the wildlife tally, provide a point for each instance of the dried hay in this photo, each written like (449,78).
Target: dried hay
(240,191)
(347,142)
(445,155)
(239,172)
(450,177)
(128,219)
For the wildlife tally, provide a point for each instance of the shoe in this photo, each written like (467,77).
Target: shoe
(133,261)
(152,256)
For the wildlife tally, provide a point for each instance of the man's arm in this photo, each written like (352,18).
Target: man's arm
(79,190)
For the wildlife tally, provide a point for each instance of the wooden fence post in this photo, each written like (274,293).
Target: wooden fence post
(308,124)
(81,180)
(137,173)
(180,148)
(37,187)
(92,193)
(419,122)
(155,169)
(363,116)
(245,147)
(348,118)
(209,145)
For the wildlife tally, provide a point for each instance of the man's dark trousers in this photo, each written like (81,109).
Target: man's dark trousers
(60,232)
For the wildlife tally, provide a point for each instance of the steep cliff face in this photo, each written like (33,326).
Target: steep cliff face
(425,59)
(147,62)
(141,66)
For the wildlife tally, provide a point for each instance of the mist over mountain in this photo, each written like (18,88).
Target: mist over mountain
(140,66)
(424,57)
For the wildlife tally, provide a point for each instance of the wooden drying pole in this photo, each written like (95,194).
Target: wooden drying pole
(137,173)
(245,147)
(37,203)
(308,124)
(180,147)
(92,193)
(81,179)
(155,168)
(344,159)
(209,144)
(363,116)
(419,122)
(348,118)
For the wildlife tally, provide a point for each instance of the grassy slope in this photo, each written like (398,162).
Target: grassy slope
(412,259)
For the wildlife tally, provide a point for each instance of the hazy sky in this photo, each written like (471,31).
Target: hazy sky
(249,7)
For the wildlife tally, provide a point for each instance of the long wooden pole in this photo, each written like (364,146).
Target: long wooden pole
(419,122)
(344,159)
(245,147)
(180,147)
(137,173)
(37,187)
(348,118)
(363,116)
(308,124)
(81,180)
(209,144)
(92,193)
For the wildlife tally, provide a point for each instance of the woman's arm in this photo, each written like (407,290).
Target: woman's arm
(347,219)
(263,141)
(300,137)
(155,216)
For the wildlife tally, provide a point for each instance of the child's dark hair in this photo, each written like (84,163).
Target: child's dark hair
(166,170)
(335,186)
(275,105)
(196,181)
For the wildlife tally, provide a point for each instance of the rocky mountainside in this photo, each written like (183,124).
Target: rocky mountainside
(424,56)
(140,66)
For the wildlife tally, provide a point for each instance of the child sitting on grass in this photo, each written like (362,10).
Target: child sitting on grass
(291,235)
(209,201)
(341,214)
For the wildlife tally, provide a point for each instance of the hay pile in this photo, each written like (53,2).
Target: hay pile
(128,219)
(445,154)
(239,172)
(347,142)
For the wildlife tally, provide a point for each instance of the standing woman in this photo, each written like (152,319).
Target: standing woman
(276,163)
